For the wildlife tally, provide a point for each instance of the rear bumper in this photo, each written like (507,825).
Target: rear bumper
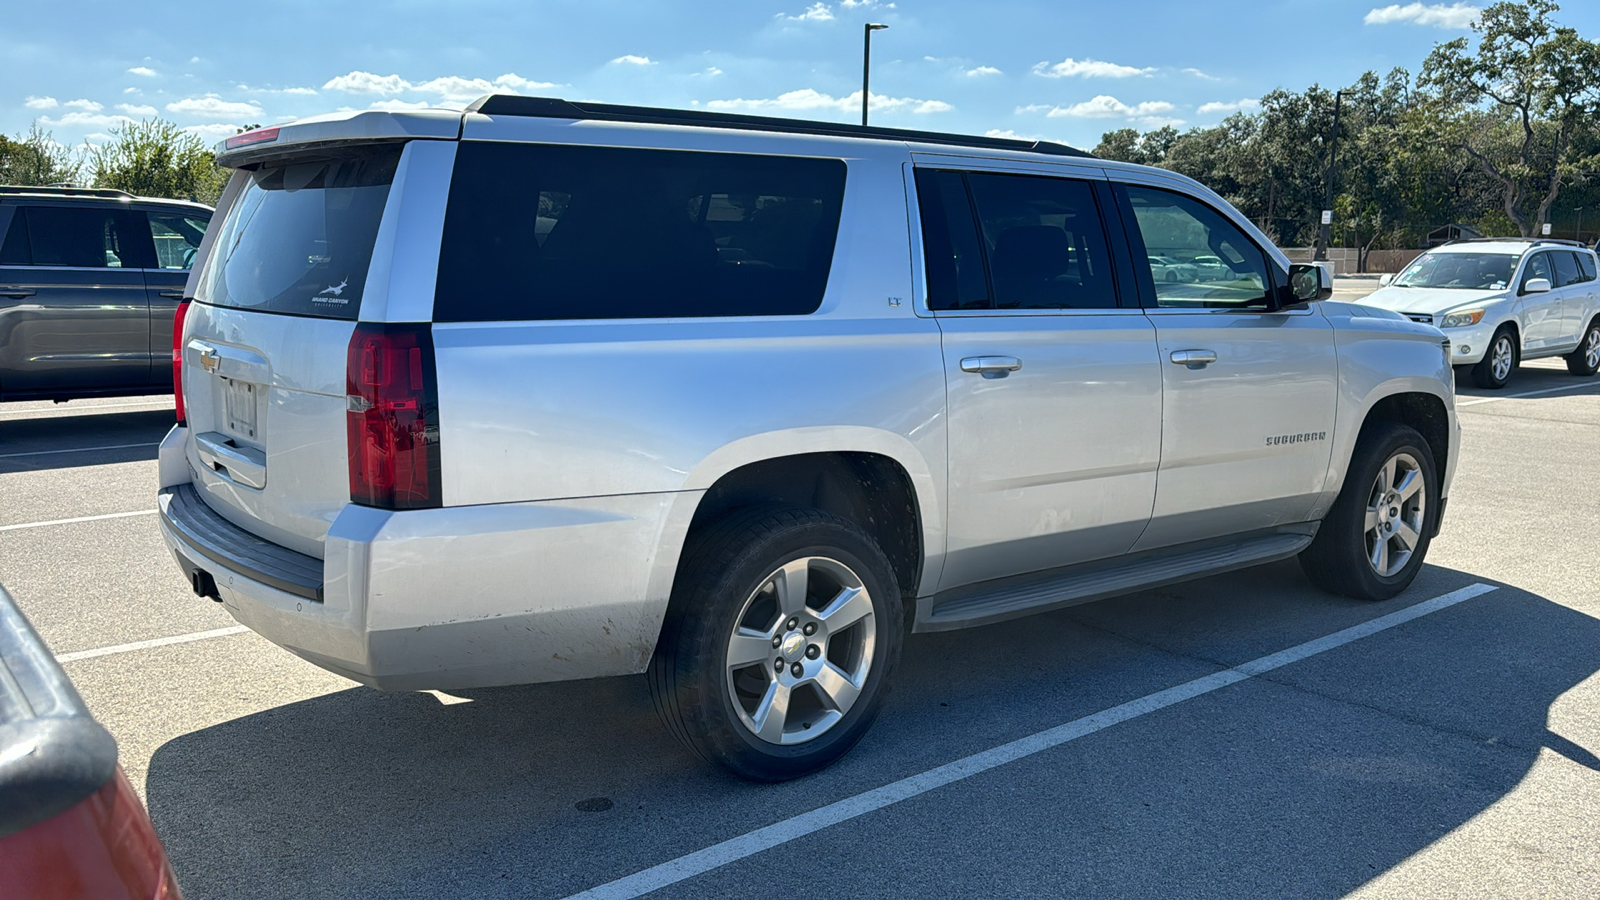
(455,597)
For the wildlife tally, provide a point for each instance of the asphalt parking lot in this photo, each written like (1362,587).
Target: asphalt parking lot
(1453,753)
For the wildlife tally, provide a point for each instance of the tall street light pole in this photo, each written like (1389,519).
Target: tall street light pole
(1580,225)
(866,67)
(1327,194)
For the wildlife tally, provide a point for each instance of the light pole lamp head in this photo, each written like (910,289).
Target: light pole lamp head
(874,26)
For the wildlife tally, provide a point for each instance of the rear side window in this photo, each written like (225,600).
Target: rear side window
(559,232)
(1586,263)
(177,237)
(298,238)
(82,237)
(1566,268)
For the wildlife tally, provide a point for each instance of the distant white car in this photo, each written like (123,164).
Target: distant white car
(1165,268)
(1211,268)
(1502,301)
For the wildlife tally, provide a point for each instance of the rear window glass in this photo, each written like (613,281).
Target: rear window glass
(555,232)
(298,237)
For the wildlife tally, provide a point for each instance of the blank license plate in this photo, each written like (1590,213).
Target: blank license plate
(240,398)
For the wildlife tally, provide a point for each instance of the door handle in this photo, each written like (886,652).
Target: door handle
(16,294)
(991,366)
(176,295)
(1194,359)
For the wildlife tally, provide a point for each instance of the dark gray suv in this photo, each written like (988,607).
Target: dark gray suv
(89,282)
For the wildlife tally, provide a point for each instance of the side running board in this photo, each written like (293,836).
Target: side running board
(1010,598)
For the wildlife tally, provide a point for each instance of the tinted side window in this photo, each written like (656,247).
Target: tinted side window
(1197,258)
(1538,267)
(14,249)
(956,278)
(551,232)
(1566,269)
(1045,244)
(78,236)
(177,237)
(1586,264)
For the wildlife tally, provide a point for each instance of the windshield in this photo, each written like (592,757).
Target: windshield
(299,237)
(1467,271)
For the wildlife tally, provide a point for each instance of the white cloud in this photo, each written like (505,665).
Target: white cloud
(213,132)
(300,91)
(133,110)
(131,90)
(40,103)
(1009,134)
(710,72)
(401,105)
(193,60)
(213,107)
(1456,15)
(85,120)
(359,82)
(1201,75)
(631,60)
(144,71)
(864,4)
(1216,106)
(1087,68)
(1107,107)
(816,12)
(85,105)
(983,70)
(461,90)
(810,100)
(1033,108)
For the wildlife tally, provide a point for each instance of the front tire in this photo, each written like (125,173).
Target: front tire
(1494,370)
(1373,541)
(778,644)
(1585,360)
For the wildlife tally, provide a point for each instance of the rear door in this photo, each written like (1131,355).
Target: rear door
(73,313)
(1054,392)
(264,361)
(1249,391)
(175,238)
(1582,304)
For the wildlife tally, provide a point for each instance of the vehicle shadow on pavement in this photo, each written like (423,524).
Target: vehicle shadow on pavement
(31,444)
(1310,780)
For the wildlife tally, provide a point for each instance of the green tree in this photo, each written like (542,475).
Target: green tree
(36,159)
(1524,94)
(156,158)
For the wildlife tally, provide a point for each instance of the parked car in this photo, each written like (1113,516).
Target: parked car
(1211,268)
(1502,301)
(71,826)
(761,393)
(1165,268)
(89,282)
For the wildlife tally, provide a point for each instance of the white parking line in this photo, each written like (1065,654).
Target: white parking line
(136,405)
(121,515)
(77,450)
(1571,387)
(754,842)
(154,642)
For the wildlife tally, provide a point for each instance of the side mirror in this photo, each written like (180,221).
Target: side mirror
(1308,283)
(1383,280)
(1536,286)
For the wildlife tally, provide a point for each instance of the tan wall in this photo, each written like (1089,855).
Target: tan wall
(1344,258)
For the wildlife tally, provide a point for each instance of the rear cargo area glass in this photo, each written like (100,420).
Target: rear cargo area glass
(560,232)
(298,239)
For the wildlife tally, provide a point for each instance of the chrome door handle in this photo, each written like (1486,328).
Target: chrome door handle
(16,294)
(1194,359)
(991,366)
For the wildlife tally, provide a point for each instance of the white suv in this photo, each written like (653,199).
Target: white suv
(1502,301)
(546,391)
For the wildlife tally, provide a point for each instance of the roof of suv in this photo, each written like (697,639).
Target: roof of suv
(11,193)
(1511,245)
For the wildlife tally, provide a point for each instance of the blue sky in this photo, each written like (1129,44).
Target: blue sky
(1055,70)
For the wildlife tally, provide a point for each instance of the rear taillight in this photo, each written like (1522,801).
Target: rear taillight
(177,358)
(392,417)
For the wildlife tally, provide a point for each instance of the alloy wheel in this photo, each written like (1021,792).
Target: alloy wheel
(801,650)
(1502,355)
(1396,508)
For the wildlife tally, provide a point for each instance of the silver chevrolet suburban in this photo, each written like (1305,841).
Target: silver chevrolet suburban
(548,390)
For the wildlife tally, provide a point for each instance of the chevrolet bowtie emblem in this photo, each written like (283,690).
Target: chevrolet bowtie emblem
(209,360)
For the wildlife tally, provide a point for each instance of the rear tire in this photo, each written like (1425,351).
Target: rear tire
(1499,361)
(765,680)
(1373,541)
(1585,360)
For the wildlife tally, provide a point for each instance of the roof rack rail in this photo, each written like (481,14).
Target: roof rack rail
(62,191)
(1518,240)
(556,108)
